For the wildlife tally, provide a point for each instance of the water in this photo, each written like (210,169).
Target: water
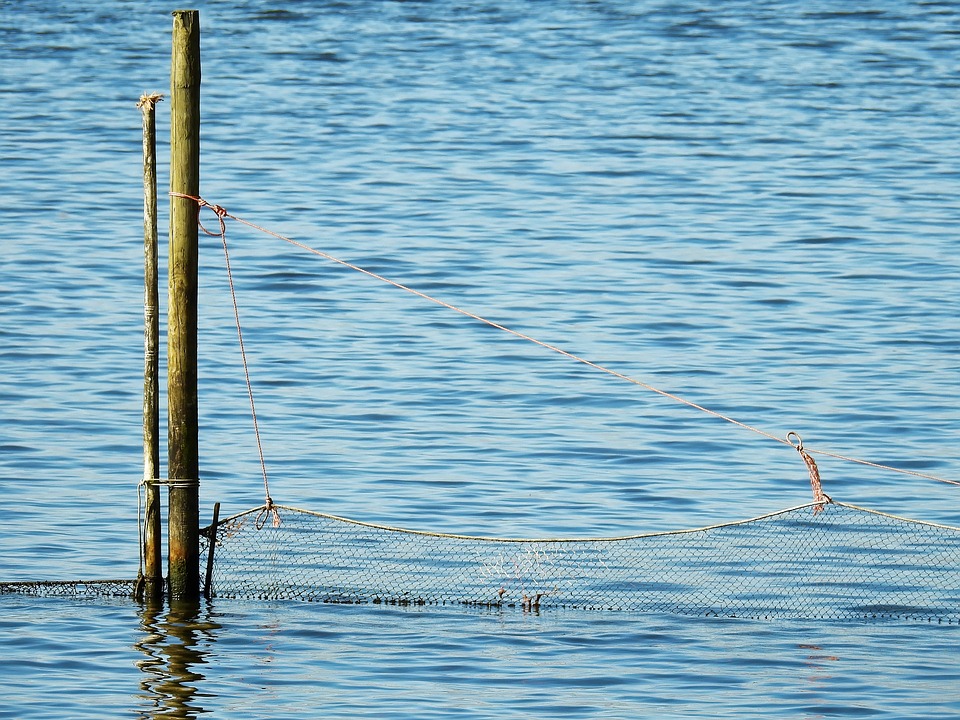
(753,206)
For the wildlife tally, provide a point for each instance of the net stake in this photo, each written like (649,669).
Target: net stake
(208,581)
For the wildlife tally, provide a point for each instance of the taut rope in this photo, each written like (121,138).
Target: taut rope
(819,495)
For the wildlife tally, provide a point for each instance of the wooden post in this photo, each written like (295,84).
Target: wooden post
(182,447)
(153,569)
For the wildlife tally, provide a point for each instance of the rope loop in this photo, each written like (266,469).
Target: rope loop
(218,210)
(269,510)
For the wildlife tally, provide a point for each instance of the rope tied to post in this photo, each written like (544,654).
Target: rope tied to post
(221,213)
(820,497)
(218,210)
(146,482)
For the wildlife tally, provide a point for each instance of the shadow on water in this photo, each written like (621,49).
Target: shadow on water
(176,643)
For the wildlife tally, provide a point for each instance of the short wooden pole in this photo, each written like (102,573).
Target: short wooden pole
(153,568)
(208,581)
(182,446)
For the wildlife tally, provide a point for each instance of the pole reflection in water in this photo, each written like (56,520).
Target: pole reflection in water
(176,641)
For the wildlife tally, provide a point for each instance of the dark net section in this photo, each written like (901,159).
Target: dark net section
(832,561)
(71,588)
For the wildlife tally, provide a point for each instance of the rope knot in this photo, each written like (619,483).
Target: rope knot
(218,210)
(819,496)
(268,510)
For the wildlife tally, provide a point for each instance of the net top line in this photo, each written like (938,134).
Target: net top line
(276,508)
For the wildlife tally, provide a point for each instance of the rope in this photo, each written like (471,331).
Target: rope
(233,521)
(222,234)
(804,451)
(142,515)
(171,482)
(819,496)
(551,540)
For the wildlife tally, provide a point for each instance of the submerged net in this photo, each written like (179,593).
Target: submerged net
(70,588)
(814,561)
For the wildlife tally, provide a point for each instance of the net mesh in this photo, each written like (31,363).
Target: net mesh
(812,561)
(70,588)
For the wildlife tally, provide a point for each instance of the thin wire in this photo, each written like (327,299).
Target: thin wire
(222,213)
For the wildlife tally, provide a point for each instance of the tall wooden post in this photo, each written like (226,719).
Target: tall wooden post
(182,447)
(153,568)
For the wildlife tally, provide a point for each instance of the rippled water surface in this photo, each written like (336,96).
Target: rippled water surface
(752,206)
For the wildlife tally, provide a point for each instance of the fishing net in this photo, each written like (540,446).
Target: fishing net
(70,588)
(814,561)
(823,560)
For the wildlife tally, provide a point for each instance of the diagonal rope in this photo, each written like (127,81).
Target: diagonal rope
(804,451)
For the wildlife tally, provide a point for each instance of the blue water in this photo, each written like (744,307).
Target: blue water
(751,205)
